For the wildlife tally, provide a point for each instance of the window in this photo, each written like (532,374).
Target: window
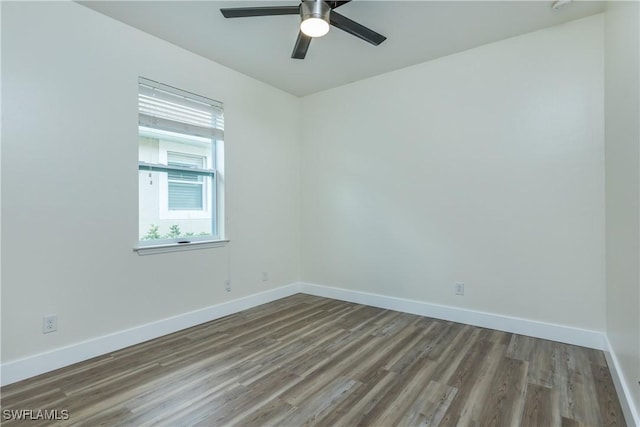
(185,191)
(180,166)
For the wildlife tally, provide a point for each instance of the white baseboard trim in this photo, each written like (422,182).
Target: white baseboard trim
(21,369)
(631,412)
(532,328)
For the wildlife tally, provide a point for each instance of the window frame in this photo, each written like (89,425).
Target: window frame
(209,197)
(212,174)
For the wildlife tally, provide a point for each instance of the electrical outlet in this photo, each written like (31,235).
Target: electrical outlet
(265,276)
(459,288)
(227,285)
(49,324)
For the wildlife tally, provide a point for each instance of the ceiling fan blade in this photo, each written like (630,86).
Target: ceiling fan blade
(334,4)
(301,47)
(353,28)
(244,12)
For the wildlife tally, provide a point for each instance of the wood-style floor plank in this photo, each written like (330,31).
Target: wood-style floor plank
(307,360)
(507,391)
(537,407)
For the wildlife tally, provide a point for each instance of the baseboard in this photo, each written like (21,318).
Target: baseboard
(532,328)
(21,369)
(631,414)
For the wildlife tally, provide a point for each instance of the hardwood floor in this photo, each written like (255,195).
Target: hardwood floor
(306,360)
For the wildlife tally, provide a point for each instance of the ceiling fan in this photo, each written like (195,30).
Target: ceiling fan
(316,18)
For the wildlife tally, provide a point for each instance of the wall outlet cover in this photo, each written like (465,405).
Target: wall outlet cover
(49,324)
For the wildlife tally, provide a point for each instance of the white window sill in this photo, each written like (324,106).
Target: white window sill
(177,247)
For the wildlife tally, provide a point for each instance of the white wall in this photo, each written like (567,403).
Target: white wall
(484,167)
(69,180)
(622,141)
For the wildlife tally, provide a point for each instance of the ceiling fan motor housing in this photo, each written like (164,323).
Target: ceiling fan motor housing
(315,9)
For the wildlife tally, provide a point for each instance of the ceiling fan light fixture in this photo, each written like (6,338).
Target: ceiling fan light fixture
(315,18)
(314,27)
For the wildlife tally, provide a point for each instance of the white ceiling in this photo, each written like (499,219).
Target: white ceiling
(261,47)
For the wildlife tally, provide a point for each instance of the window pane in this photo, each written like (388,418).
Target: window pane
(157,223)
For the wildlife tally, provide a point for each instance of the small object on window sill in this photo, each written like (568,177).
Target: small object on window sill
(184,241)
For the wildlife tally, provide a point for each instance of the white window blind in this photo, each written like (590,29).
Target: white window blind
(174,110)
